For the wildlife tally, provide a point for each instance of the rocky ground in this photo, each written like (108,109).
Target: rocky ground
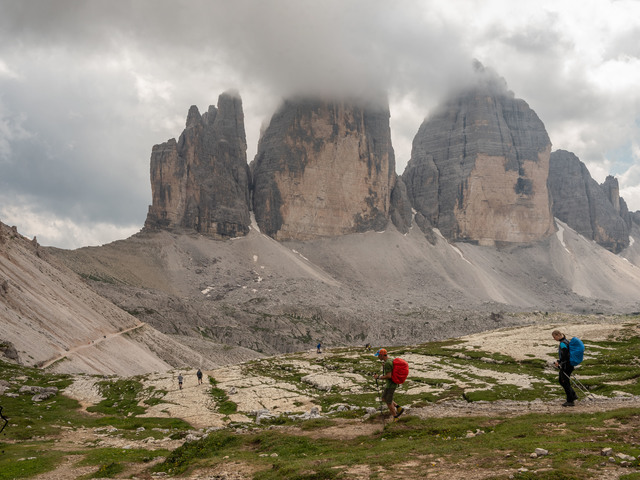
(260,392)
(253,391)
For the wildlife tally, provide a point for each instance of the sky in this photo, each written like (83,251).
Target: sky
(88,87)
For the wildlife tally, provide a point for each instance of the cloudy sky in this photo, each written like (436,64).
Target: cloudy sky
(88,87)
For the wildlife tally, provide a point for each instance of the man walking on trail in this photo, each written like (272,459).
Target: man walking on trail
(199,375)
(565,368)
(180,379)
(390,388)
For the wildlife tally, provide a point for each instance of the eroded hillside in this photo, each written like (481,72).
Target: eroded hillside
(51,318)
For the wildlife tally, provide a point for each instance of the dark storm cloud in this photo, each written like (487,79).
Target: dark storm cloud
(91,79)
(87,87)
(291,46)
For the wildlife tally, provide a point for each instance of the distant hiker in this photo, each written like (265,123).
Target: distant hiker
(319,347)
(199,375)
(390,388)
(565,367)
(180,379)
(367,347)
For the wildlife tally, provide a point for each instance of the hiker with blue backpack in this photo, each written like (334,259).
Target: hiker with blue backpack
(395,373)
(570,355)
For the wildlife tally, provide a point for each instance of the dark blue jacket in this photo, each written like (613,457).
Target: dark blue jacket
(563,352)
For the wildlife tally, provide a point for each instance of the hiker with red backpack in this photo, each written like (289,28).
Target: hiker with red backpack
(394,372)
(569,355)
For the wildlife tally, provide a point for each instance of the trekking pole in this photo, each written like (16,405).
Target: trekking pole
(579,385)
(380,391)
(576,381)
(6,420)
(380,395)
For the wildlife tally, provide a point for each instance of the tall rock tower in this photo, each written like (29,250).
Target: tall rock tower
(201,182)
(479,168)
(323,168)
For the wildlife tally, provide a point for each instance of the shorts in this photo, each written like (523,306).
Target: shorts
(387,394)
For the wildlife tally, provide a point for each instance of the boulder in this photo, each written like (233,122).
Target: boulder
(7,349)
(42,396)
(29,389)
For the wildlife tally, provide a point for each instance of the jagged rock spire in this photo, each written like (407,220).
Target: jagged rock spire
(201,182)
(594,211)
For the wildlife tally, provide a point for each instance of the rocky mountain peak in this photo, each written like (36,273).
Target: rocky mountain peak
(201,182)
(479,167)
(595,211)
(323,168)
(612,191)
(193,117)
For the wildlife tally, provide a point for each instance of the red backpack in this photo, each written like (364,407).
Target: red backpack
(400,371)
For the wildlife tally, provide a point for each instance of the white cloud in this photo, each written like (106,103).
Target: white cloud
(64,232)
(151,89)
(7,72)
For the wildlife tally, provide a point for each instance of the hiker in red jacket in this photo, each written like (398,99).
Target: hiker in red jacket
(390,388)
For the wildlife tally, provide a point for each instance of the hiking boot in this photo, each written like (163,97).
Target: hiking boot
(399,411)
(569,404)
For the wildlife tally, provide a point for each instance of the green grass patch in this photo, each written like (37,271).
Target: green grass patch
(574,442)
(26,441)
(25,461)
(104,456)
(154,397)
(215,444)
(225,406)
(121,397)
(108,470)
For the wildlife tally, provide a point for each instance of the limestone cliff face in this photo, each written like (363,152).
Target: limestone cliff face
(323,169)
(201,182)
(595,211)
(478,169)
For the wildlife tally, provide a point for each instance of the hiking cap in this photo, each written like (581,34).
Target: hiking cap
(382,351)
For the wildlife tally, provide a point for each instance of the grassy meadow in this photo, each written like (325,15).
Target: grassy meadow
(351,443)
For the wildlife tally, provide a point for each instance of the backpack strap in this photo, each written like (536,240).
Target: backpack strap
(564,345)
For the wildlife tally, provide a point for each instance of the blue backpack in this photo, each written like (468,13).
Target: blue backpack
(576,351)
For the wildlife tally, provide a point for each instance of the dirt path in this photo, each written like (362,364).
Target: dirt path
(93,343)
(509,408)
